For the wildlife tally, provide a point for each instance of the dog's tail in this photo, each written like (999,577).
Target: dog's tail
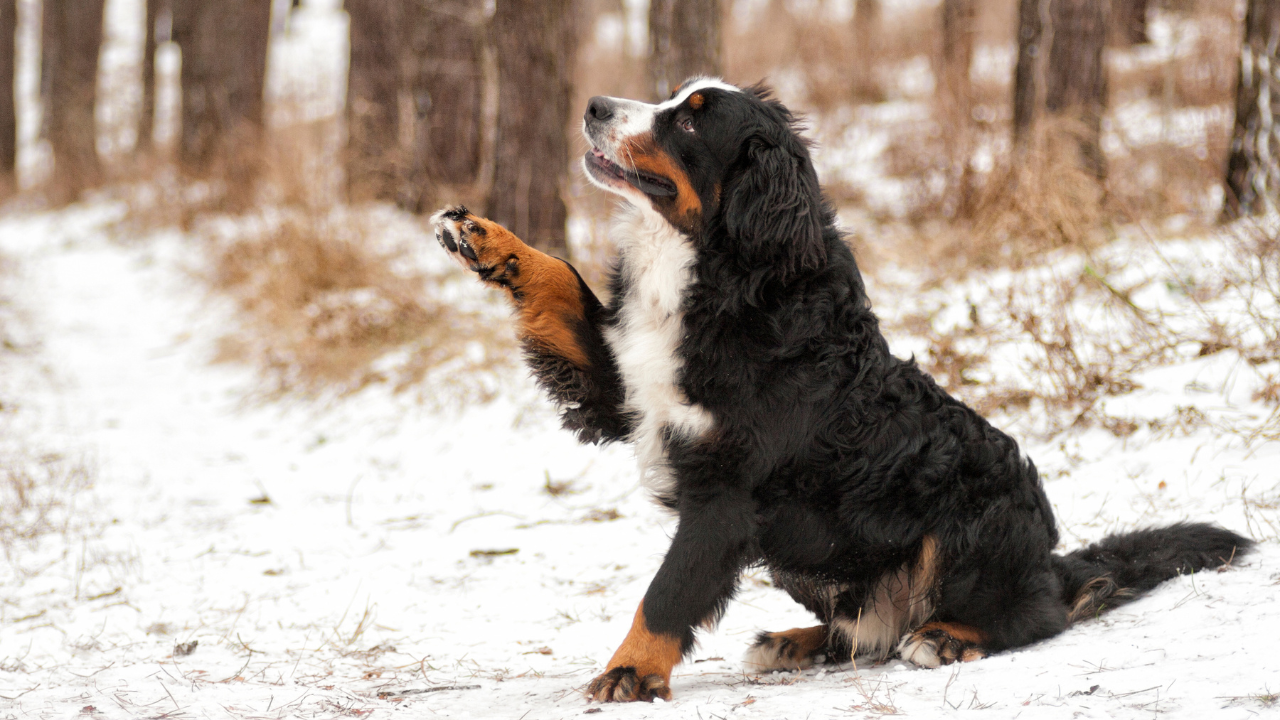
(1121,568)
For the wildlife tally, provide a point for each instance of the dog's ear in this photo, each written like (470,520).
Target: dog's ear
(773,208)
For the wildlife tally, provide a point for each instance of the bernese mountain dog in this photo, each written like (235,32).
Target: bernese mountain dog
(740,355)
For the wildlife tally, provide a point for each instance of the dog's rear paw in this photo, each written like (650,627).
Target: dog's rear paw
(480,246)
(788,650)
(938,643)
(622,684)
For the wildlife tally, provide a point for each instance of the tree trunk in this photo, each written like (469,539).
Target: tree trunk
(1075,77)
(1253,167)
(8,113)
(446,85)
(536,45)
(959,18)
(147,114)
(684,40)
(1027,75)
(224,69)
(373,99)
(1129,22)
(866,49)
(71,39)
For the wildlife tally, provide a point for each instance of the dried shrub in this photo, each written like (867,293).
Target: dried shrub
(1020,210)
(323,308)
(1052,341)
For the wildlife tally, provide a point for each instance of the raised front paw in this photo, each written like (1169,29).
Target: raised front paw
(939,643)
(481,246)
(622,684)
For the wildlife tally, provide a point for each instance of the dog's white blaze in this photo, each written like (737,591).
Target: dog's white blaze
(658,261)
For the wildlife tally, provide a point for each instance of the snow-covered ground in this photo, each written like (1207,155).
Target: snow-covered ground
(375,557)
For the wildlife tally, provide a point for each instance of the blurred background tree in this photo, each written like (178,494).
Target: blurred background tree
(373,98)
(70,42)
(536,44)
(446,88)
(1253,169)
(8,109)
(463,100)
(224,72)
(684,40)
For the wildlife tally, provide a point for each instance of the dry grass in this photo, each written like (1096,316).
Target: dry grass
(1020,210)
(37,498)
(1052,342)
(325,308)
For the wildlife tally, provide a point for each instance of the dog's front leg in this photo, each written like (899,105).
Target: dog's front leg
(696,581)
(558,319)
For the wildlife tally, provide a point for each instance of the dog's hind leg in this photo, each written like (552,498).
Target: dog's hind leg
(1003,594)
(939,643)
(794,649)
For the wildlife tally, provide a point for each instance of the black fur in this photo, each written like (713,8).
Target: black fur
(831,461)
(591,402)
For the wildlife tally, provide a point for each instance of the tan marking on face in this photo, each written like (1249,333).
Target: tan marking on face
(696,100)
(645,155)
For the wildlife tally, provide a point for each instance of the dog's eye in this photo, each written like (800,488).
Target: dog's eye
(686,125)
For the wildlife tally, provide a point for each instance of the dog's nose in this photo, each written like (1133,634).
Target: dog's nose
(599,109)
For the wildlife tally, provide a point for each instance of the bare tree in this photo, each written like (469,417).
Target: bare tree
(8,112)
(147,115)
(446,83)
(224,68)
(373,98)
(1072,77)
(1253,167)
(1129,22)
(959,18)
(1026,74)
(1076,78)
(70,41)
(866,48)
(536,44)
(684,40)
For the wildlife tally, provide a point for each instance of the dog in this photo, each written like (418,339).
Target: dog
(740,355)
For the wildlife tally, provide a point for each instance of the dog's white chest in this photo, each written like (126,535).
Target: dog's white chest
(658,262)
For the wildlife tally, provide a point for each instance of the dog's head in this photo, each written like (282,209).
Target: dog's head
(714,159)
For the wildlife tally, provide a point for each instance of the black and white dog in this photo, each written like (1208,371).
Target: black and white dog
(740,355)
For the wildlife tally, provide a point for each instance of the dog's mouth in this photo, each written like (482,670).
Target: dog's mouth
(606,169)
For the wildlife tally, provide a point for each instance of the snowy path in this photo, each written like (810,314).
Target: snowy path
(358,577)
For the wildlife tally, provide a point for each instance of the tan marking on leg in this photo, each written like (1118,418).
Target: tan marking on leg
(903,599)
(544,290)
(649,657)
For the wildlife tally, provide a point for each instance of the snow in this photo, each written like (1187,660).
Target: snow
(362,587)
